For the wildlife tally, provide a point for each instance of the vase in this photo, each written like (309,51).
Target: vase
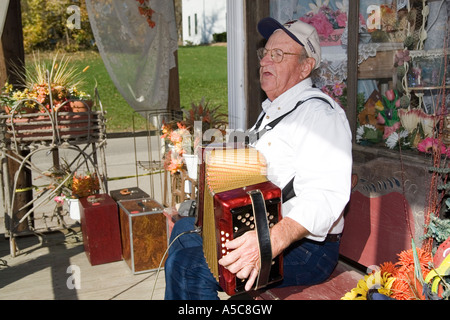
(74,209)
(191,161)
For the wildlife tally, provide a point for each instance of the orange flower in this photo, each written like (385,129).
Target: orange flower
(406,287)
(388,267)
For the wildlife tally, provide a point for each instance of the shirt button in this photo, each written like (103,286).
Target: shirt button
(269,144)
(267,117)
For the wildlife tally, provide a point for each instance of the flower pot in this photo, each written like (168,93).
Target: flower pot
(81,105)
(33,126)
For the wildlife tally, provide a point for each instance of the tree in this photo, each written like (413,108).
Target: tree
(45,25)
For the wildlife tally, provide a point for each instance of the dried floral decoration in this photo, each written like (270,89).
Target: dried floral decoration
(146,11)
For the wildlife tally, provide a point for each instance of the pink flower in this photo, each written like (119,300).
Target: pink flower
(338,89)
(380,119)
(390,95)
(175,137)
(429,144)
(323,26)
(342,19)
(306,19)
(60,199)
(362,20)
(390,130)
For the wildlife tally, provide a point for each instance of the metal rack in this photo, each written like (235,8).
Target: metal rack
(75,141)
(159,177)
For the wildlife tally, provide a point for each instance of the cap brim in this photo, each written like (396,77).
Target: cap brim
(267,27)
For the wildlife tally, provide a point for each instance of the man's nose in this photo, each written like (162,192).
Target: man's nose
(267,59)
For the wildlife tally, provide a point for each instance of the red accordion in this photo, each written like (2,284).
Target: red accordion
(235,197)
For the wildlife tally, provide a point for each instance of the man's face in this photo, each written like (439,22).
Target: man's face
(277,78)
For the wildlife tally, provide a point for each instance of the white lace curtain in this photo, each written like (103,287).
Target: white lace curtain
(138,57)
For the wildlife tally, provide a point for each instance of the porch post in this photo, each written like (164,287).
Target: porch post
(237,109)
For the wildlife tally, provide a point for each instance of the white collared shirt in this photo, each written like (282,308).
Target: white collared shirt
(314,144)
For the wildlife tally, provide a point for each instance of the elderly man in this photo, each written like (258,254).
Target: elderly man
(306,140)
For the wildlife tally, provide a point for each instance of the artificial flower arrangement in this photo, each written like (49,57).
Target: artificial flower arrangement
(395,280)
(420,273)
(78,186)
(46,87)
(326,20)
(71,185)
(393,123)
(179,135)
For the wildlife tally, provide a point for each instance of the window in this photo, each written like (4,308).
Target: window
(189,26)
(196,24)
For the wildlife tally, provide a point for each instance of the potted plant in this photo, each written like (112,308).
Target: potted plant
(46,87)
(73,186)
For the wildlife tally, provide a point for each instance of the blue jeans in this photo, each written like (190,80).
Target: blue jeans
(189,278)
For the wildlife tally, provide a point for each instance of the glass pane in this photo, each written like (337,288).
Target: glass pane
(403,77)
(330,20)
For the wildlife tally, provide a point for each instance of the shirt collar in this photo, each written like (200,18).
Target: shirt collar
(287,97)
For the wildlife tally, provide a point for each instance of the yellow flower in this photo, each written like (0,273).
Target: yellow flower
(375,280)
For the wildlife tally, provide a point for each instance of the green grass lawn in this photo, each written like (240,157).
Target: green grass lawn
(202,73)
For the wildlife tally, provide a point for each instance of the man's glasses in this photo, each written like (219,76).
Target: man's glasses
(277,55)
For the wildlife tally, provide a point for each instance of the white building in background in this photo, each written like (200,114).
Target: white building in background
(202,19)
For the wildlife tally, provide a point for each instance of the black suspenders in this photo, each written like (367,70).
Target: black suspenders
(288,191)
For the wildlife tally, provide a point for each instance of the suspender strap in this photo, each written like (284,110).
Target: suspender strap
(262,230)
(255,135)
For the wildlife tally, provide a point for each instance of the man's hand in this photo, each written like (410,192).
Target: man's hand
(244,259)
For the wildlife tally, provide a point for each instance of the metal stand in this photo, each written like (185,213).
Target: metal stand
(154,163)
(75,141)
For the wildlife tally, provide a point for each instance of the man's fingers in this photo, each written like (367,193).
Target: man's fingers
(251,279)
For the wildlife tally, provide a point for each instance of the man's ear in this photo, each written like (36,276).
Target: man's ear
(308,67)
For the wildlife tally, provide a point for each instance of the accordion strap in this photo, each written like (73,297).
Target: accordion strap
(263,232)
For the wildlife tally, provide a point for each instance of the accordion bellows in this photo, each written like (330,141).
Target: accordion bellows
(228,169)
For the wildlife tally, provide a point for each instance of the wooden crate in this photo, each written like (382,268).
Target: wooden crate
(144,235)
(100,227)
